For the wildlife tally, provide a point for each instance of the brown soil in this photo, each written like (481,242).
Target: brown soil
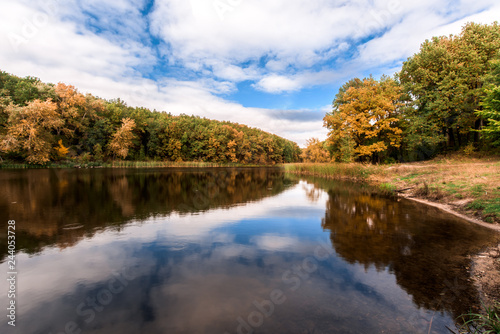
(486,275)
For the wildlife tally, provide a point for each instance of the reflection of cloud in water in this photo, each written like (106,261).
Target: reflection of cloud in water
(48,201)
(199,273)
(110,251)
(196,227)
(275,242)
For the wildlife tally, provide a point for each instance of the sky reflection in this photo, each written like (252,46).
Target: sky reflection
(218,270)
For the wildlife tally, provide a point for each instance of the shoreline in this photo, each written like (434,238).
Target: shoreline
(136,165)
(484,270)
(449,209)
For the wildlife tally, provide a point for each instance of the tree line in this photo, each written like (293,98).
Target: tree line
(42,123)
(445,98)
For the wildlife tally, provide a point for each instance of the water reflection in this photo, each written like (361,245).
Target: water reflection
(63,206)
(425,248)
(169,265)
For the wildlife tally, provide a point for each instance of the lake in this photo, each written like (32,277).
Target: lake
(229,251)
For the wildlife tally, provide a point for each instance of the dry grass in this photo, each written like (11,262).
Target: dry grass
(470,185)
(352,171)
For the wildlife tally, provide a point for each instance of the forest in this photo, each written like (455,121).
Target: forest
(446,98)
(44,123)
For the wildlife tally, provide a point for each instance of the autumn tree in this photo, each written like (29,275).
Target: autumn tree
(122,139)
(76,109)
(91,127)
(61,150)
(30,130)
(364,120)
(315,151)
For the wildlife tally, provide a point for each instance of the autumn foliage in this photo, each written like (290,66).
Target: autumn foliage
(315,151)
(445,98)
(364,122)
(122,140)
(41,122)
(30,130)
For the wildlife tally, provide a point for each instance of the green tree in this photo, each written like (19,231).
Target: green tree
(490,111)
(443,87)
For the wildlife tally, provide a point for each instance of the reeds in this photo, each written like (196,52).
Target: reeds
(486,323)
(352,171)
(125,164)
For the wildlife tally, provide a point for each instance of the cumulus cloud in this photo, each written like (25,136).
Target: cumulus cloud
(292,37)
(191,56)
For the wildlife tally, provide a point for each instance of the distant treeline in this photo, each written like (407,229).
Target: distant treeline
(42,123)
(445,98)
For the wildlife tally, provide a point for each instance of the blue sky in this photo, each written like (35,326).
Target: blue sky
(275,65)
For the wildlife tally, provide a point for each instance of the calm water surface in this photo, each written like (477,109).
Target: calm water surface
(228,251)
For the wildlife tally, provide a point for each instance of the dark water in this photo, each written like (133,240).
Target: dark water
(228,251)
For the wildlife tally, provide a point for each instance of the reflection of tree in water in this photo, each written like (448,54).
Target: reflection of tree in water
(426,249)
(312,193)
(62,206)
(364,229)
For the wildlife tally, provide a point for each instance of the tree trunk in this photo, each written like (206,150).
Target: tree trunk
(478,125)
(451,138)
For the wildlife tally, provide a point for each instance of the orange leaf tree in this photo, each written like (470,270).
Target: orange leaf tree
(364,122)
(29,130)
(122,140)
(315,151)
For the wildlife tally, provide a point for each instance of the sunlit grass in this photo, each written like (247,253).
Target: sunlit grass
(352,171)
(470,184)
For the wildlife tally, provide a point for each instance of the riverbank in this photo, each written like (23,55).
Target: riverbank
(469,187)
(465,187)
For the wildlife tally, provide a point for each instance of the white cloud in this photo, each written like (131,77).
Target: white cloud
(277,83)
(277,46)
(36,43)
(302,33)
(404,38)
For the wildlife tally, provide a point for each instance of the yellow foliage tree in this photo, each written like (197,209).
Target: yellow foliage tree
(122,140)
(61,150)
(75,108)
(364,119)
(315,151)
(29,130)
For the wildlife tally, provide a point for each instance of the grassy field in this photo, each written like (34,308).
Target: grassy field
(470,186)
